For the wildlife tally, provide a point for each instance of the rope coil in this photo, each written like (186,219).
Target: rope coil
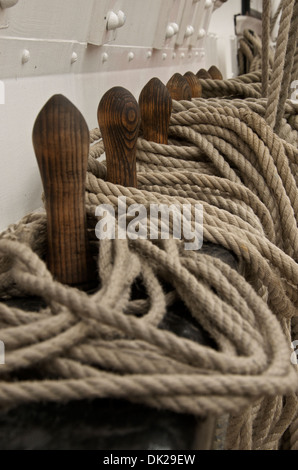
(223,153)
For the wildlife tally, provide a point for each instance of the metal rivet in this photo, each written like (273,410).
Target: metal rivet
(208,3)
(175,27)
(25,56)
(164,56)
(182,55)
(121,18)
(189,31)
(201,33)
(74,57)
(104,57)
(149,54)
(130,56)
(112,21)
(170,32)
(196,54)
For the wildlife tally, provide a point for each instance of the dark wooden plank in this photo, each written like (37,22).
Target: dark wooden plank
(215,73)
(155,106)
(179,88)
(202,73)
(194,83)
(119,122)
(61,144)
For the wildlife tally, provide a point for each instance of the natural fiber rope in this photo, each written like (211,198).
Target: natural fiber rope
(289,62)
(224,155)
(266,12)
(279,62)
(90,335)
(274,18)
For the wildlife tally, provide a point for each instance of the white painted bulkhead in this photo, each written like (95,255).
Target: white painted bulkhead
(65,46)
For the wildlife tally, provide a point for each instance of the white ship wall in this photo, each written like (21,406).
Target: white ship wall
(64,46)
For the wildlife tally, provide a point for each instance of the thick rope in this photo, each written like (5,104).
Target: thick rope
(224,154)
(266,12)
(279,62)
(79,337)
(289,63)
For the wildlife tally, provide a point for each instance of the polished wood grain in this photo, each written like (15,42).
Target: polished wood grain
(179,88)
(155,106)
(119,121)
(61,144)
(202,73)
(215,73)
(195,86)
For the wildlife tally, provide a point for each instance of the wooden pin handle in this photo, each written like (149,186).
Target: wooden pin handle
(195,86)
(155,106)
(119,122)
(61,143)
(215,73)
(179,88)
(202,73)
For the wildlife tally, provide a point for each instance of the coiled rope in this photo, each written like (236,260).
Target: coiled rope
(224,154)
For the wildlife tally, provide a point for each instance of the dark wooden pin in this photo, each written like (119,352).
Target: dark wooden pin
(61,144)
(119,121)
(155,106)
(202,73)
(193,81)
(215,73)
(179,88)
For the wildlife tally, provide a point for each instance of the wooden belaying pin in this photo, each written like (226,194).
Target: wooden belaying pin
(119,121)
(155,104)
(61,143)
(215,73)
(202,73)
(193,81)
(179,88)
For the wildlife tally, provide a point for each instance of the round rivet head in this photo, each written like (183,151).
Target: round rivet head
(164,56)
(104,57)
(170,32)
(189,31)
(182,55)
(175,27)
(208,3)
(25,56)
(130,56)
(201,33)
(149,54)
(121,18)
(112,21)
(74,57)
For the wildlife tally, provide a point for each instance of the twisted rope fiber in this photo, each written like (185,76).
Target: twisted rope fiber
(224,155)
(289,66)
(274,92)
(265,45)
(275,16)
(78,338)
